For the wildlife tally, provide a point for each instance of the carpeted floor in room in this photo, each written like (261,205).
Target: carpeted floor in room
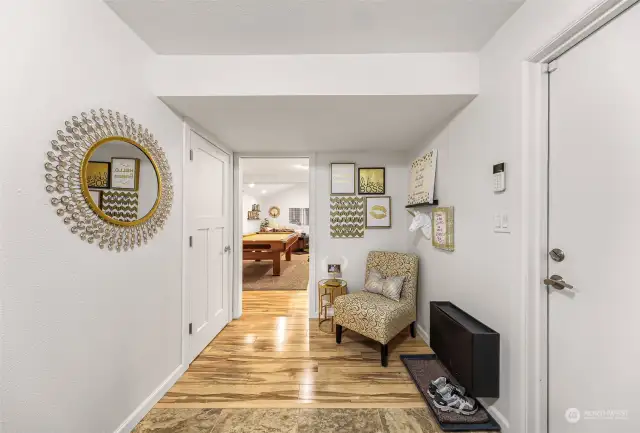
(294,275)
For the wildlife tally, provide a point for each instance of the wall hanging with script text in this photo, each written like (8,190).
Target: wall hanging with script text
(423,178)
(442,236)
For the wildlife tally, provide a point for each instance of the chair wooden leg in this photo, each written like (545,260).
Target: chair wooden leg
(384,354)
(338,334)
(412,327)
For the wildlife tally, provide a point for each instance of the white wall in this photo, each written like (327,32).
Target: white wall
(296,196)
(356,250)
(485,275)
(249,226)
(88,334)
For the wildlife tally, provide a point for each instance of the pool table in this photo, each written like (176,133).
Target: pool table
(268,246)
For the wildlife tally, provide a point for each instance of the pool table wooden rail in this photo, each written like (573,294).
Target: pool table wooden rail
(269,249)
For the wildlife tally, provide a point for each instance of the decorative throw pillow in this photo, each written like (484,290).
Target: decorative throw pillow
(390,287)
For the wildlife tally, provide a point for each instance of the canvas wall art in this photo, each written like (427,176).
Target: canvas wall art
(423,178)
(125,173)
(442,225)
(121,205)
(346,217)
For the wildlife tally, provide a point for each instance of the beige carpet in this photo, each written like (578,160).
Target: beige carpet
(294,275)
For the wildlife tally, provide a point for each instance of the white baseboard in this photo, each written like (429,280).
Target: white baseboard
(422,333)
(502,420)
(132,420)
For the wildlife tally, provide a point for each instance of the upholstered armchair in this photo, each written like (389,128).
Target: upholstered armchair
(374,315)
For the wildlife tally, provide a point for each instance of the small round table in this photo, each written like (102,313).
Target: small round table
(328,291)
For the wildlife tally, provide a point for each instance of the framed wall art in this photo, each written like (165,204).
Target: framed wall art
(423,178)
(98,174)
(125,173)
(442,226)
(346,217)
(378,213)
(371,180)
(343,178)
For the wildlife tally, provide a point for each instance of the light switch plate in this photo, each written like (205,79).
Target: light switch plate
(501,223)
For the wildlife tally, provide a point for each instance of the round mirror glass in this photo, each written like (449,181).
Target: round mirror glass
(120,181)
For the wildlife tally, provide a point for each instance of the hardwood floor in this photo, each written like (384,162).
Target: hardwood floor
(275,357)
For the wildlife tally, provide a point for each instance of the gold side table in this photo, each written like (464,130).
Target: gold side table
(328,291)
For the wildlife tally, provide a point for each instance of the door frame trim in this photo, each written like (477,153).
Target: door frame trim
(237,240)
(535,145)
(190,125)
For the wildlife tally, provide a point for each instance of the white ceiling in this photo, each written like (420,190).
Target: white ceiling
(270,171)
(320,123)
(314,26)
(266,189)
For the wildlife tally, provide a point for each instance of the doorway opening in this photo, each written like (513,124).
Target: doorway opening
(275,232)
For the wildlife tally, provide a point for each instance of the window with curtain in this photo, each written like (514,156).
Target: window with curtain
(299,216)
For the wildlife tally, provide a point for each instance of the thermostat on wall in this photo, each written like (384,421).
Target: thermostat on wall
(499,177)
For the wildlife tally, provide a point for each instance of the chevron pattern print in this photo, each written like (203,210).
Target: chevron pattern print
(120,205)
(347,217)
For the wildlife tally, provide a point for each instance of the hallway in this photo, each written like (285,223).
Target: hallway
(274,356)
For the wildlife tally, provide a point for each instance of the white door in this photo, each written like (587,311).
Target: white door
(207,215)
(594,218)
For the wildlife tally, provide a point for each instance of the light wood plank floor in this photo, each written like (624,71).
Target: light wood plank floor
(275,357)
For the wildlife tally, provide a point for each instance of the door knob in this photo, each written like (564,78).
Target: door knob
(557,282)
(227,248)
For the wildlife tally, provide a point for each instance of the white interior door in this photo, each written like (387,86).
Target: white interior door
(594,218)
(208,253)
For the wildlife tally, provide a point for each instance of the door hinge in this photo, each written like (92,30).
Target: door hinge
(190,241)
(190,154)
(551,67)
(190,328)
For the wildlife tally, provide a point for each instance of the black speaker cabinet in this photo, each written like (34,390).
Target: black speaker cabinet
(469,349)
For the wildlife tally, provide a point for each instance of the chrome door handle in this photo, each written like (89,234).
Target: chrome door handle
(557,282)
(227,248)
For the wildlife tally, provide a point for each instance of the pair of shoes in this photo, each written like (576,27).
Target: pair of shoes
(449,397)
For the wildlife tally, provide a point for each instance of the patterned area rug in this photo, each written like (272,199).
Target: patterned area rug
(294,275)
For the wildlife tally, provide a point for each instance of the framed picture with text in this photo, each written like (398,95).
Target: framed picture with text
(371,181)
(343,178)
(125,173)
(98,174)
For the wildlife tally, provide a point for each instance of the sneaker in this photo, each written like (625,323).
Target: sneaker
(434,385)
(457,403)
(448,390)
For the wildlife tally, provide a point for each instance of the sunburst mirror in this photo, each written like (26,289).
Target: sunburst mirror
(110,180)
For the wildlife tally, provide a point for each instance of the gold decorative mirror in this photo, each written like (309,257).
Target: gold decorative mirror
(274,211)
(110,180)
(120,181)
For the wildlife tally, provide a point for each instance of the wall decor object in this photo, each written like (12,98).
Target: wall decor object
(371,180)
(125,173)
(253,215)
(422,179)
(378,212)
(98,174)
(343,178)
(346,217)
(442,223)
(274,211)
(98,136)
(122,205)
